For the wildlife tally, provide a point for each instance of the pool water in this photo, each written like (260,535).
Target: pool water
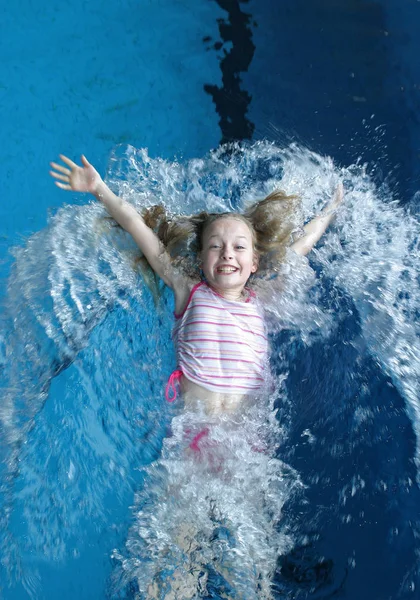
(315,492)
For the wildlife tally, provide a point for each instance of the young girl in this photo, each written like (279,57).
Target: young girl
(219,501)
(219,332)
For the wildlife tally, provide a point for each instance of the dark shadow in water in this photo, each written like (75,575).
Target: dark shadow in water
(353,444)
(330,74)
(231,100)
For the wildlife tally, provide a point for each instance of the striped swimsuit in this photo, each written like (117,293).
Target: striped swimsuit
(221,344)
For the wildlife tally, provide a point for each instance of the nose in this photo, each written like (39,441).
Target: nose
(227,253)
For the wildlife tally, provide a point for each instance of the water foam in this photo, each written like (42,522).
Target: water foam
(67,279)
(210,511)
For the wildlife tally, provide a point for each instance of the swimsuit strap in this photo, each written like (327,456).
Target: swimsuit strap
(174,377)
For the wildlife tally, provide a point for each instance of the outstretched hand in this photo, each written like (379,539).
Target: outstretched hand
(72,177)
(314,230)
(338,196)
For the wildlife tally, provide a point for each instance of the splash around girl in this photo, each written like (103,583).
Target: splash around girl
(219,334)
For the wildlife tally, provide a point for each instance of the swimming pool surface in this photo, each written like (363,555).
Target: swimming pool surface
(312,92)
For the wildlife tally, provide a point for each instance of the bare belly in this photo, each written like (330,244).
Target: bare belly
(213,403)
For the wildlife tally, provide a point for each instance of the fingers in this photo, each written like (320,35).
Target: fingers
(338,195)
(85,161)
(60,177)
(63,186)
(60,168)
(339,192)
(68,162)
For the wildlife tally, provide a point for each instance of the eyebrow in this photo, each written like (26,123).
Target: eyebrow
(236,237)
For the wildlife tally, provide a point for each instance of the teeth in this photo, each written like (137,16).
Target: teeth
(226,269)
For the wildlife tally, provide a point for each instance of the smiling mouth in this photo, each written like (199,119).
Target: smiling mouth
(226,269)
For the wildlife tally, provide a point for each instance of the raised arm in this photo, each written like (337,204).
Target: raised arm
(87,179)
(315,229)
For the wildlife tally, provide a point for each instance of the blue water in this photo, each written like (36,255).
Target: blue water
(85,432)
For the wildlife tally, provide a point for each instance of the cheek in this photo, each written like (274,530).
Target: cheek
(201,259)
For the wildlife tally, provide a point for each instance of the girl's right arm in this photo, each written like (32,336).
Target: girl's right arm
(87,179)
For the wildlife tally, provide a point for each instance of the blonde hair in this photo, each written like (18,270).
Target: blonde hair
(271,221)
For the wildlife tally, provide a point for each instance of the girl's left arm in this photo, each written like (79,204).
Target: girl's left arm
(316,228)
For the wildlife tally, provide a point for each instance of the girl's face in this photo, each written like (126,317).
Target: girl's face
(228,256)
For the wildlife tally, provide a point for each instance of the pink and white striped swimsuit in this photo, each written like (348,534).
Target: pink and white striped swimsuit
(221,344)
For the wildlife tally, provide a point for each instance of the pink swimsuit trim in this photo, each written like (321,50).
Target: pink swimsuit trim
(176,375)
(181,314)
(194,444)
(251,294)
(174,378)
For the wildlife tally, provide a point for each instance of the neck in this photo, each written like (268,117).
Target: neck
(235,295)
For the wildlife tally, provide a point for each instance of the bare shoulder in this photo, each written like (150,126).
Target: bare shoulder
(182,290)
